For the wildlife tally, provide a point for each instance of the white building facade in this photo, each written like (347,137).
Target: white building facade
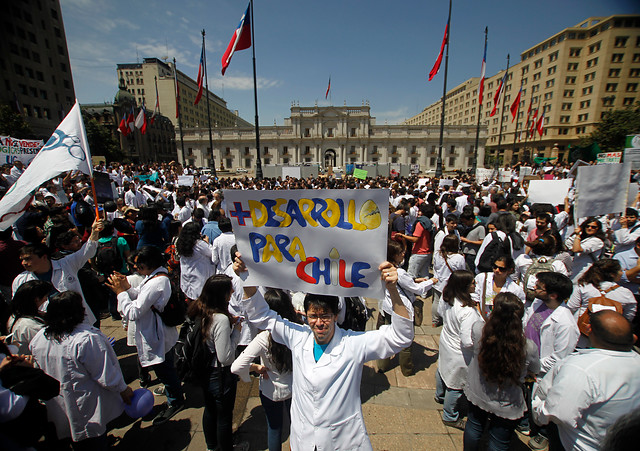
(334,136)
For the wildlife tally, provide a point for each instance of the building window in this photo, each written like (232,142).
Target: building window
(353,131)
(581,130)
(614,73)
(636,57)
(570,80)
(621,41)
(564,119)
(586,91)
(551,70)
(553,56)
(572,66)
(611,87)
(574,51)
(617,57)
(585,104)
(628,101)
(568,93)
(537,64)
(592,62)
(550,83)
(330,132)
(608,101)
(247,163)
(548,96)
(566,106)
(307,132)
(590,76)
(594,48)
(536,76)
(634,73)
(583,117)
(632,87)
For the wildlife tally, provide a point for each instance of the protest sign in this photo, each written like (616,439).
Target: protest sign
(504,176)
(483,175)
(315,241)
(609,157)
(574,169)
(185,180)
(632,155)
(360,173)
(12,149)
(422,182)
(633,194)
(548,191)
(602,189)
(445,182)
(524,171)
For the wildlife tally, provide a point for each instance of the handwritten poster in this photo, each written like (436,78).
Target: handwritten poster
(323,242)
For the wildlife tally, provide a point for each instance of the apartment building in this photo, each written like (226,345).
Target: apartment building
(573,77)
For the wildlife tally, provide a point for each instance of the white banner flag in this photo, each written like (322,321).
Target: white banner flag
(602,189)
(66,150)
(549,191)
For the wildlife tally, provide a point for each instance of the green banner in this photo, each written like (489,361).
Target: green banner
(360,173)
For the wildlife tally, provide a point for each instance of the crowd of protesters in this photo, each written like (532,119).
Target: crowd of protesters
(537,310)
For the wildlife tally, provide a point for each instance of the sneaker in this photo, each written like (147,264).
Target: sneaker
(242,446)
(167,414)
(523,429)
(458,424)
(159,391)
(438,400)
(538,442)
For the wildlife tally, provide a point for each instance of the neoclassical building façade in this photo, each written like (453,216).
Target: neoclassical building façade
(334,136)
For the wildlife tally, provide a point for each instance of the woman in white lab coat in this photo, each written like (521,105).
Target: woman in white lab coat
(459,314)
(82,360)
(274,368)
(445,261)
(587,244)
(27,318)
(195,260)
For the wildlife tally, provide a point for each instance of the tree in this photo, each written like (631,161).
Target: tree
(611,131)
(101,141)
(13,124)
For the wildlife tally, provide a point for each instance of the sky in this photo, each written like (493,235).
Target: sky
(378,51)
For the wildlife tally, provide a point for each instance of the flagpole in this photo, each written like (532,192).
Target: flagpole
(175,80)
(504,96)
(515,135)
(255,98)
(475,154)
(157,106)
(526,136)
(444,97)
(206,84)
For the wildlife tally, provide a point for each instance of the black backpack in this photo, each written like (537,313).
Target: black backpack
(496,248)
(192,355)
(356,314)
(176,309)
(108,258)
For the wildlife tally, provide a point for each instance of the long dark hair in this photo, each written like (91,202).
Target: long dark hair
(280,302)
(189,236)
(458,287)
(450,245)
(24,301)
(589,220)
(64,312)
(149,217)
(213,299)
(503,344)
(601,271)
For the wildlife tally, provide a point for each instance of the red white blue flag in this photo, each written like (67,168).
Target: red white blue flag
(516,104)
(436,66)
(326,94)
(482,72)
(240,40)
(200,79)
(498,94)
(540,125)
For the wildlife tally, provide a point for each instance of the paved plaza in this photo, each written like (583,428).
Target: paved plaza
(399,412)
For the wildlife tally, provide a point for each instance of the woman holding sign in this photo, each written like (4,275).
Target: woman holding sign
(326,410)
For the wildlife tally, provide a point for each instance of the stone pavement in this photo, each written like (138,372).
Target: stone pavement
(399,412)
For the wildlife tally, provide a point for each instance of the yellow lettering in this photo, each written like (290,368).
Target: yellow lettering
(334,208)
(351,216)
(286,219)
(296,248)
(306,207)
(256,206)
(271,250)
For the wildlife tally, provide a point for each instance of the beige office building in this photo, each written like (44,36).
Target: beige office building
(139,80)
(334,136)
(573,77)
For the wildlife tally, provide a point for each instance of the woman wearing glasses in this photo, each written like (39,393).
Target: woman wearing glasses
(586,244)
(489,284)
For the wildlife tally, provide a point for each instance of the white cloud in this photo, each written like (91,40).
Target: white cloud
(241,83)
(394,116)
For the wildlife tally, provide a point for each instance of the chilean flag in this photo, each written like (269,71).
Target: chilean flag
(326,94)
(141,120)
(200,79)
(533,122)
(130,120)
(498,94)
(123,125)
(540,126)
(515,104)
(482,72)
(436,66)
(240,40)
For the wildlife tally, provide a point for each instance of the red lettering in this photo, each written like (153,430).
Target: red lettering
(300,270)
(342,279)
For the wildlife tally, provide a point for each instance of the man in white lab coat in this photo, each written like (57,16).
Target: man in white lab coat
(326,410)
(588,391)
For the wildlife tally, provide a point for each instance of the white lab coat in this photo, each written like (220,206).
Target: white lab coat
(559,335)
(591,251)
(90,381)
(326,410)
(456,343)
(153,338)
(65,275)
(196,269)
(407,289)
(221,251)
(487,278)
(441,270)
(586,393)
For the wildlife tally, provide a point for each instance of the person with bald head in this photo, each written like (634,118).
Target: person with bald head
(589,390)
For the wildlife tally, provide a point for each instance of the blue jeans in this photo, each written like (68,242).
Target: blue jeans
(274,410)
(219,399)
(419,265)
(500,430)
(451,397)
(166,372)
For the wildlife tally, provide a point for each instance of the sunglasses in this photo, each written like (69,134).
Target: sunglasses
(499,268)
(591,227)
